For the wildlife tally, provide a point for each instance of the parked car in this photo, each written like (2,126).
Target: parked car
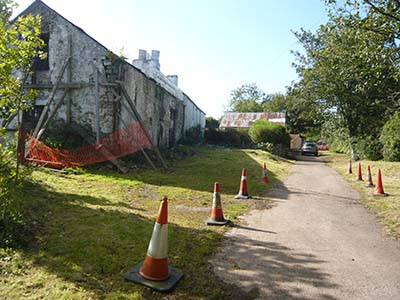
(309,148)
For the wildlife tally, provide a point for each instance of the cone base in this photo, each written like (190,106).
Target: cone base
(160,286)
(349,172)
(211,221)
(241,196)
(358,179)
(369,185)
(379,195)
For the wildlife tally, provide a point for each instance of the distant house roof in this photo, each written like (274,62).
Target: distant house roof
(244,120)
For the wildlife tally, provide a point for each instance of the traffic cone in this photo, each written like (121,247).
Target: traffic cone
(217,216)
(359,175)
(368,182)
(243,193)
(264,177)
(379,192)
(349,170)
(154,271)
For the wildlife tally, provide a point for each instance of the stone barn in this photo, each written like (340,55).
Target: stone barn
(83,85)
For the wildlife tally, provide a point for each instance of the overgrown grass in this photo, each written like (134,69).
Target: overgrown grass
(386,208)
(91,228)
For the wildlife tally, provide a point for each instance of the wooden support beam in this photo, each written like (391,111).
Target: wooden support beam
(97,105)
(139,118)
(51,97)
(141,149)
(49,86)
(103,151)
(69,79)
(52,114)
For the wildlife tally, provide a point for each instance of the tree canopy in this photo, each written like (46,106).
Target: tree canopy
(20,43)
(247,98)
(349,67)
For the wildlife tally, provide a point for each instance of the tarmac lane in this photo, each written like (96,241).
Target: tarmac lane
(317,242)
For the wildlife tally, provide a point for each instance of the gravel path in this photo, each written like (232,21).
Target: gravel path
(317,243)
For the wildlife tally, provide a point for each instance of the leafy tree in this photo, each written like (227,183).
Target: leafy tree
(390,138)
(247,98)
(19,44)
(212,123)
(350,72)
(302,113)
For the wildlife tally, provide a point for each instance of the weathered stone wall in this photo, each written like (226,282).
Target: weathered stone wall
(193,115)
(161,111)
(156,107)
(150,65)
(84,52)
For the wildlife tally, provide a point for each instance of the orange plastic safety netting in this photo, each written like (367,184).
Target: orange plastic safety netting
(120,143)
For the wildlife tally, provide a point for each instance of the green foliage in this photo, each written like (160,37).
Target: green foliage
(269,147)
(247,98)
(228,137)
(60,136)
(13,229)
(349,68)
(390,138)
(367,147)
(6,8)
(302,113)
(193,136)
(19,44)
(262,131)
(335,133)
(212,123)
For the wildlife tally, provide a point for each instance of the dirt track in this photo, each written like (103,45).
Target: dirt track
(316,243)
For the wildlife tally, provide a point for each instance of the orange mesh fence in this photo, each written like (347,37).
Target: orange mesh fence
(120,143)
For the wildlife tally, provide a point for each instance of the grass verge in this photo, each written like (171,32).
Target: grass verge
(91,228)
(386,208)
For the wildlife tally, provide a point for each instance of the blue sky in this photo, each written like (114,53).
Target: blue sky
(213,46)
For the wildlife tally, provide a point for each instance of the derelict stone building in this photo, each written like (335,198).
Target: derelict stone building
(88,82)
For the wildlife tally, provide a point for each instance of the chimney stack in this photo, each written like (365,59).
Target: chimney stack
(155,55)
(142,54)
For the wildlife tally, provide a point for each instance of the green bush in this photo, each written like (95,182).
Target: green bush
(192,136)
(212,123)
(13,228)
(267,132)
(367,147)
(390,138)
(266,147)
(228,137)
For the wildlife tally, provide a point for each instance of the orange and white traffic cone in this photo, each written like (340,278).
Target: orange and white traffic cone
(154,271)
(349,170)
(243,193)
(359,175)
(368,182)
(379,192)
(217,216)
(264,177)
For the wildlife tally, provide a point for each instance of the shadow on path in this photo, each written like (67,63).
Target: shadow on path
(281,272)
